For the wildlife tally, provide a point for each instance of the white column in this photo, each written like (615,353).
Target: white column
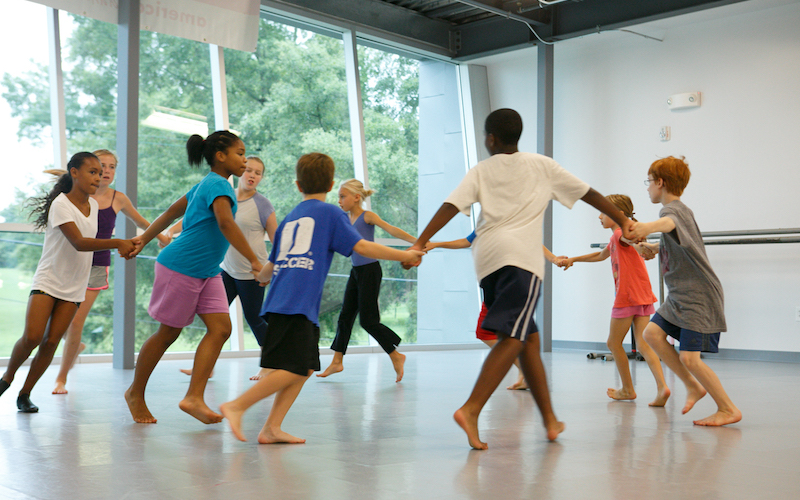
(219,88)
(356,107)
(128,37)
(58,120)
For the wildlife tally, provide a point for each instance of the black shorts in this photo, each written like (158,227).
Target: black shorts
(40,292)
(690,340)
(510,294)
(291,344)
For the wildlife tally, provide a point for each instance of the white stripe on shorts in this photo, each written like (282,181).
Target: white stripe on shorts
(526,315)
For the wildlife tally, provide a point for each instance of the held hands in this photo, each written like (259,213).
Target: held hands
(629,231)
(646,251)
(264,276)
(138,246)
(164,240)
(414,257)
(563,262)
(638,231)
(127,249)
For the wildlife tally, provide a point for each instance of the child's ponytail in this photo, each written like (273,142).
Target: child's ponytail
(198,148)
(624,203)
(41,205)
(355,186)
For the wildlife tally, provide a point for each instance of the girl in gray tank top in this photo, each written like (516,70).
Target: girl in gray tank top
(363,286)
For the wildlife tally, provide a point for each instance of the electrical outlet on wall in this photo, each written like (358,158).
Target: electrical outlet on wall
(664,133)
(797,313)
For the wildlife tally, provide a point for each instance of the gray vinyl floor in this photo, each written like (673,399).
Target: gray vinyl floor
(369,438)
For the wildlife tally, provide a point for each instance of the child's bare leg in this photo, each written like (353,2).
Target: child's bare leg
(72,342)
(219,330)
(653,362)
(275,381)
(62,315)
(533,368)
(520,384)
(40,308)
(494,369)
(337,365)
(727,412)
(398,362)
(271,433)
(617,331)
(657,339)
(149,355)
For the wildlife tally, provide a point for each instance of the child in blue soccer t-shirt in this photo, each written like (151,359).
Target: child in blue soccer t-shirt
(298,265)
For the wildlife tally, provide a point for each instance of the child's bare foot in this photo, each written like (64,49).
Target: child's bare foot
(331,369)
(262,373)
(398,360)
(519,385)
(661,398)
(621,394)
(274,436)
(693,395)
(469,423)
(138,409)
(199,410)
(554,429)
(188,371)
(61,387)
(721,418)
(234,417)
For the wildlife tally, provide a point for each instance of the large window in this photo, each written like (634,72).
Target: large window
(286,99)
(25,136)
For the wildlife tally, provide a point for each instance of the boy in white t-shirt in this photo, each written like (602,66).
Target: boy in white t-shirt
(514,190)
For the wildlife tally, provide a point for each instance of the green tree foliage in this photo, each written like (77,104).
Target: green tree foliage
(286,99)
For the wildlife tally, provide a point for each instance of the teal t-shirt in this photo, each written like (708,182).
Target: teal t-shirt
(201,246)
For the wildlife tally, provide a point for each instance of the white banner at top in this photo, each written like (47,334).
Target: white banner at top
(227,23)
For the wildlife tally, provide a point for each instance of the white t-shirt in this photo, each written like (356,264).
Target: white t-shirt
(63,272)
(513,190)
(251,217)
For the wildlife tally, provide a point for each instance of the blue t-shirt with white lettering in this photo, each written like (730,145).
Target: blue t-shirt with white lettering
(201,246)
(302,253)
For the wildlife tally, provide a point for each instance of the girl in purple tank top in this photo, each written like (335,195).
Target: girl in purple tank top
(363,286)
(110,201)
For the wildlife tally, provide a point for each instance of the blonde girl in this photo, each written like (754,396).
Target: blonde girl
(363,286)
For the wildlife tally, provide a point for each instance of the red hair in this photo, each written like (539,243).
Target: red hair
(673,171)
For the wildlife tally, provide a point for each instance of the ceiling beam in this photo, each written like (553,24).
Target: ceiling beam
(373,18)
(573,19)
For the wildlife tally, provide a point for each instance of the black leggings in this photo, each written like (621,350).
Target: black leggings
(252,296)
(361,297)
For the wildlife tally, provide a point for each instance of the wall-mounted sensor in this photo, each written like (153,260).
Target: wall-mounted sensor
(681,101)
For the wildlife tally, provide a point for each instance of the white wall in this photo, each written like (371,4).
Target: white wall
(742,145)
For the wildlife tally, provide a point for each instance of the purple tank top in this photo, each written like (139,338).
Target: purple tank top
(106,218)
(367,231)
